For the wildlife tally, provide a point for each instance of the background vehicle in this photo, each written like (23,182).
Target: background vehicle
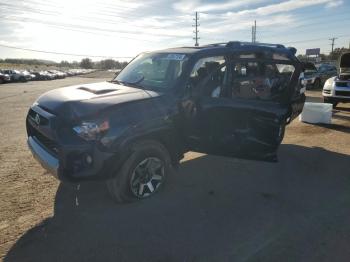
(231,99)
(57,74)
(337,89)
(29,76)
(16,75)
(326,71)
(4,78)
(39,76)
(316,76)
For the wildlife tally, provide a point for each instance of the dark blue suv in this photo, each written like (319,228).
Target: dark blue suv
(231,99)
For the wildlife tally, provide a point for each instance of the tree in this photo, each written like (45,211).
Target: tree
(64,64)
(107,64)
(86,63)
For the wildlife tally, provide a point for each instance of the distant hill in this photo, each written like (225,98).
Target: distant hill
(25,61)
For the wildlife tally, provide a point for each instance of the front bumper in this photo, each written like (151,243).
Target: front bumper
(48,161)
(340,94)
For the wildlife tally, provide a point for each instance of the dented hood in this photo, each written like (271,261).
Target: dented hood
(89,99)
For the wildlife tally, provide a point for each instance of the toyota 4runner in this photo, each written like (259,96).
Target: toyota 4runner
(230,99)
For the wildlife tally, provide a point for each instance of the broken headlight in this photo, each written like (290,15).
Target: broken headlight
(91,130)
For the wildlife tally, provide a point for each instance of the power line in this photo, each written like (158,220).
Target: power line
(60,53)
(196,31)
(315,39)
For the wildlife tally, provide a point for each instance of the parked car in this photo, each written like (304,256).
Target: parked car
(316,76)
(39,76)
(337,88)
(4,78)
(16,75)
(48,75)
(58,74)
(327,70)
(28,75)
(232,99)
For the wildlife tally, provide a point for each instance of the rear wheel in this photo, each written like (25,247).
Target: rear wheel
(1,81)
(142,174)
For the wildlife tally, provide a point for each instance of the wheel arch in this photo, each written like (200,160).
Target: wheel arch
(169,139)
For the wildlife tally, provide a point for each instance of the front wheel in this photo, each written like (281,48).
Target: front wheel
(142,174)
(327,100)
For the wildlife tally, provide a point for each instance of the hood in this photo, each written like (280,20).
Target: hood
(344,60)
(89,99)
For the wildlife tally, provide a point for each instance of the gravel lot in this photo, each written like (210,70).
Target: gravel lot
(212,209)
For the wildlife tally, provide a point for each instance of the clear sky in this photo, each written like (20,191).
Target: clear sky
(115,28)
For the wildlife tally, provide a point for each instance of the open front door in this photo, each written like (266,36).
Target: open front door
(237,108)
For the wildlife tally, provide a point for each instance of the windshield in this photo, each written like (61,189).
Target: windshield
(153,71)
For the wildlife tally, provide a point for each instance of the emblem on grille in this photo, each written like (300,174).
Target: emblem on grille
(37,119)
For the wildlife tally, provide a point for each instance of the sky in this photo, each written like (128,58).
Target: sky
(117,29)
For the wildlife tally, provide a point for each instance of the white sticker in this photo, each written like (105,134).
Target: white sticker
(178,57)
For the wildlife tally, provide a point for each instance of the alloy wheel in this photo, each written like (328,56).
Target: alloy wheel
(147,177)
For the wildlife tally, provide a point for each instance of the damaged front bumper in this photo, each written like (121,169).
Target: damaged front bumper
(48,161)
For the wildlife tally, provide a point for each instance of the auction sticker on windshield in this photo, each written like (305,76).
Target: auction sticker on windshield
(178,57)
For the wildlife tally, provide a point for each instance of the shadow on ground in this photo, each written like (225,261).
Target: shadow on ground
(214,209)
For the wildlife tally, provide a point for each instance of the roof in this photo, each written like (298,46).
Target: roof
(233,45)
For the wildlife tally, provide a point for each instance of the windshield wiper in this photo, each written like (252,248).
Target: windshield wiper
(132,84)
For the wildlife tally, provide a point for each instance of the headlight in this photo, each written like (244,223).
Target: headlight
(329,83)
(91,130)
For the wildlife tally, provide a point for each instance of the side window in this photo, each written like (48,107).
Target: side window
(257,80)
(207,76)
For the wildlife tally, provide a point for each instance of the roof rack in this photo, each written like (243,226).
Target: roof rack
(238,44)
(215,44)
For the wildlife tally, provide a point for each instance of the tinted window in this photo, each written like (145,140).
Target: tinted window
(208,75)
(256,80)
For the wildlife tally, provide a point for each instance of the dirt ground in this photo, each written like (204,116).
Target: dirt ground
(214,209)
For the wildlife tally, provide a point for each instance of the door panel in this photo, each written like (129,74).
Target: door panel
(245,120)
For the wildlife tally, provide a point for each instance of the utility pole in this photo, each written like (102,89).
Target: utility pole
(254,32)
(332,44)
(196,31)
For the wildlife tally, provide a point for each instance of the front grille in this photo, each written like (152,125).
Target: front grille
(32,130)
(33,115)
(342,84)
(342,93)
(344,77)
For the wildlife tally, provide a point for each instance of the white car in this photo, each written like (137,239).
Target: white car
(337,89)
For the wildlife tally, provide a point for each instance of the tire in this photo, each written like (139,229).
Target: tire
(142,174)
(317,84)
(330,101)
(23,79)
(1,81)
